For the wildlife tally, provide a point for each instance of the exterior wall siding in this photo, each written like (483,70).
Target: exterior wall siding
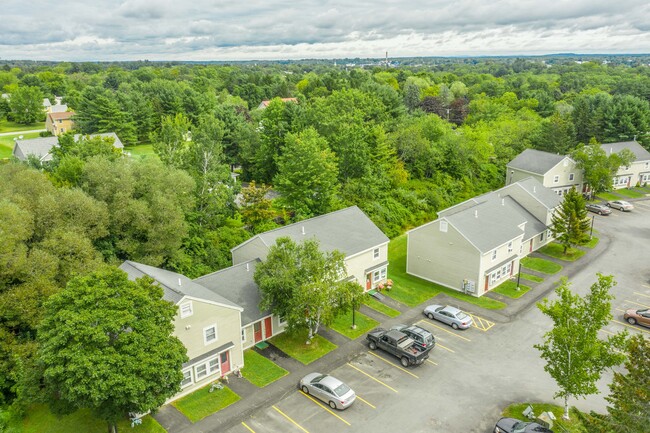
(514,175)
(358,264)
(563,172)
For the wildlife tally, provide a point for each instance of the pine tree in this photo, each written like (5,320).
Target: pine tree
(570,224)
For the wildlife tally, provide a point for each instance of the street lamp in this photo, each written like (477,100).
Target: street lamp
(591,231)
(519,276)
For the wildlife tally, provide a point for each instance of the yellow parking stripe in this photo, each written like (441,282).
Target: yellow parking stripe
(247,427)
(607,332)
(618,309)
(637,303)
(641,294)
(431,362)
(443,329)
(372,377)
(483,324)
(369,404)
(289,418)
(631,326)
(446,348)
(396,366)
(323,406)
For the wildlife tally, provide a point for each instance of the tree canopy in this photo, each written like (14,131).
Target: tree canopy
(570,224)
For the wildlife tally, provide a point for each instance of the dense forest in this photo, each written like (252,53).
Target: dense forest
(399,141)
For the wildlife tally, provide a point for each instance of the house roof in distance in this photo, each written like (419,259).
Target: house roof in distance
(175,286)
(237,284)
(535,161)
(42,146)
(265,103)
(640,152)
(61,115)
(348,230)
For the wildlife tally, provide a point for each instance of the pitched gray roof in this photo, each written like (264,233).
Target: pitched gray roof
(535,161)
(42,146)
(175,285)
(59,108)
(348,230)
(641,153)
(534,188)
(237,284)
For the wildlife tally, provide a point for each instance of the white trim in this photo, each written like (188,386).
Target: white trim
(186,314)
(187,370)
(376,253)
(206,301)
(216,335)
(366,250)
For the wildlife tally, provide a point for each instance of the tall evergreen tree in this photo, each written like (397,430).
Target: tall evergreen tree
(570,224)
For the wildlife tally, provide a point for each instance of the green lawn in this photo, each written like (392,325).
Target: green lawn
(261,371)
(541,265)
(293,344)
(140,150)
(202,402)
(559,425)
(413,291)
(643,189)
(556,250)
(608,196)
(509,289)
(343,324)
(7,126)
(371,302)
(592,243)
(629,193)
(39,419)
(531,277)
(7,143)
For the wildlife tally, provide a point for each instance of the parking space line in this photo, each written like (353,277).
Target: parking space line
(323,406)
(372,377)
(637,303)
(443,329)
(485,324)
(289,418)
(396,366)
(247,427)
(641,294)
(431,362)
(446,348)
(369,404)
(618,309)
(645,285)
(630,326)
(607,332)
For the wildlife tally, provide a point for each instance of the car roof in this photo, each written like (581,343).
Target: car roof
(450,309)
(418,330)
(330,381)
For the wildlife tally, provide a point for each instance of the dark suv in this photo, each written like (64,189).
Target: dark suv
(424,340)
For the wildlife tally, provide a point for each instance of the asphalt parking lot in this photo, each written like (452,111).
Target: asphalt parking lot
(471,375)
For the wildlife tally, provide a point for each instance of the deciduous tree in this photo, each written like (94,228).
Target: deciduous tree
(598,167)
(26,105)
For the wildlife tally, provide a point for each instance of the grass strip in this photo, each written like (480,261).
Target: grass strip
(557,251)
(376,305)
(509,289)
(202,402)
(259,370)
(293,344)
(541,265)
(343,324)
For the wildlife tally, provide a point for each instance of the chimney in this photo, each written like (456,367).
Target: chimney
(476,214)
(303,230)
(179,282)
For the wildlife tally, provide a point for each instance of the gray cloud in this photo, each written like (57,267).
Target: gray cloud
(219,29)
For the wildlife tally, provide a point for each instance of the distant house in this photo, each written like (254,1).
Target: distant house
(476,245)
(557,172)
(638,172)
(208,325)
(265,103)
(42,147)
(347,230)
(59,123)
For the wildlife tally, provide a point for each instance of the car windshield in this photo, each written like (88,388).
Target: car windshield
(318,378)
(461,315)
(341,390)
(519,427)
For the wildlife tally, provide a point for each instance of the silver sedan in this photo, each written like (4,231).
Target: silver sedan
(329,389)
(621,205)
(452,316)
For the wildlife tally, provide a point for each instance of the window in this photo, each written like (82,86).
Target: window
(201,371)
(375,253)
(376,276)
(541,236)
(443,226)
(556,178)
(243,334)
(187,378)
(509,247)
(186,310)
(213,366)
(521,249)
(210,334)
(383,273)
(282,320)
(571,176)
(494,255)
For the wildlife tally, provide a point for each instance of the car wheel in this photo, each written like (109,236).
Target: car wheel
(600,213)
(305,389)
(631,320)
(430,316)
(372,345)
(332,404)
(454,325)
(405,361)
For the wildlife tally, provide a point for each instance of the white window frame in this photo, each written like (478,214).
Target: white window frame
(509,247)
(212,370)
(541,236)
(282,321)
(376,276)
(444,226)
(556,178)
(375,253)
(205,334)
(185,314)
(191,378)
(201,371)
(383,273)
(494,255)
(243,334)
(571,176)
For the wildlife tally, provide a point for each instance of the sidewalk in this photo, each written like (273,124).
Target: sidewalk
(254,399)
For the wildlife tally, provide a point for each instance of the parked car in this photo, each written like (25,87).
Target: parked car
(452,316)
(621,205)
(328,389)
(598,208)
(423,339)
(642,317)
(512,425)
(399,344)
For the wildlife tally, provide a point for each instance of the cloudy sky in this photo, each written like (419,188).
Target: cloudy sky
(282,29)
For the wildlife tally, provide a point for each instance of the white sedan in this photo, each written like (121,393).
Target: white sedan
(621,205)
(329,389)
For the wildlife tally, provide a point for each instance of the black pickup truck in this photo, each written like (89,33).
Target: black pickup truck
(399,344)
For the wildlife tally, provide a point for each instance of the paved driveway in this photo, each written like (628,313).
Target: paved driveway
(471,375)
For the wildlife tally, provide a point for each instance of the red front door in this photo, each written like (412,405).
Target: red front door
(257,331)
(530,250)
(368,281)
(268,329)
(225,362)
